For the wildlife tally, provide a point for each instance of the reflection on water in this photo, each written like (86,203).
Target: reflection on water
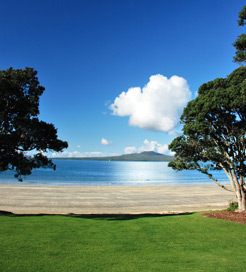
(76,172)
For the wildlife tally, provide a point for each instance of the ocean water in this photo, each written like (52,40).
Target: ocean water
(78,172)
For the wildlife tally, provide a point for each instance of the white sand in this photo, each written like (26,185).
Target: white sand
(33,199)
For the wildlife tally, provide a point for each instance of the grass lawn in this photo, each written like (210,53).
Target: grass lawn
(120,243)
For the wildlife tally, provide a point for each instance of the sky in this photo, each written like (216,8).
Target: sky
(118,73)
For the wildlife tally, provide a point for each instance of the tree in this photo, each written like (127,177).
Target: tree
(20,129)
(214,132)
(240,43)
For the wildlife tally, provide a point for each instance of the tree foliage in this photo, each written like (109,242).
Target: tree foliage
(20,128)
(240,43)
(214,132)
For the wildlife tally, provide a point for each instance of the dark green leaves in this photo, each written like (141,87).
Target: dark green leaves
(214,127)
(240,43)
(20,128)
(242,16)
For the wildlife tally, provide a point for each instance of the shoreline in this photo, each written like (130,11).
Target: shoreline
(107,184)
(98,199)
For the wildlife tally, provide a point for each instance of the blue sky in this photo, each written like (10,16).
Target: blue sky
(87,53)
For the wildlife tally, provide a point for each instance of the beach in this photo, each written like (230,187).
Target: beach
(34,199)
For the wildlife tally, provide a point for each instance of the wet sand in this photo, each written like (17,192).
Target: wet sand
(34,199)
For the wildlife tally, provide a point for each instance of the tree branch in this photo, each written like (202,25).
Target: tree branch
(212,178)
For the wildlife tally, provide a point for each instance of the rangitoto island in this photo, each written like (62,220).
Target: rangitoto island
(143,156)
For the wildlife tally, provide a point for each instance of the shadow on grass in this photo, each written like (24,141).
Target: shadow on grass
(109,217)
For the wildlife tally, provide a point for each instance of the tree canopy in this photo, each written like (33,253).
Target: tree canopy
(20,128)
(240,43)
(214,132)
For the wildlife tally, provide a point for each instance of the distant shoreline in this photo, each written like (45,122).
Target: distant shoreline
(61,184)
(147,156)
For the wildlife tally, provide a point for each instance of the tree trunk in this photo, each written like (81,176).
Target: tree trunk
(241,198)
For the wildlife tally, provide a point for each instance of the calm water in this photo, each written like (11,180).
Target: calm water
(76,172)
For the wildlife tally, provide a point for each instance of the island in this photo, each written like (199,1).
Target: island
(143,156)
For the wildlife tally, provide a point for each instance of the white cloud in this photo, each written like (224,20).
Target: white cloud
(67,154)
(78,146)
(157,106)
(93,154)
(175,133)
(130,149)
(76,154)
(106,103)
(105,142)
(155,146)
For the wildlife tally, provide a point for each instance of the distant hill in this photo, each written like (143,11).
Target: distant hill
(143,156)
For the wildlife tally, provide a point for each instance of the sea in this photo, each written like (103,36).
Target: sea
(108,173)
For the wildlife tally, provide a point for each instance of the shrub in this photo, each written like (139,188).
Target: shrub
(232,206)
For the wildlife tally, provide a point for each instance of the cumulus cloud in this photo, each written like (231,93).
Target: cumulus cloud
(105,142)
(67,154)
(75,154)
(130,149)
(155,146)
(157,106)
(93,154)
(150,146)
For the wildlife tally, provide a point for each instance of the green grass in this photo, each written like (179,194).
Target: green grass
(120,243)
